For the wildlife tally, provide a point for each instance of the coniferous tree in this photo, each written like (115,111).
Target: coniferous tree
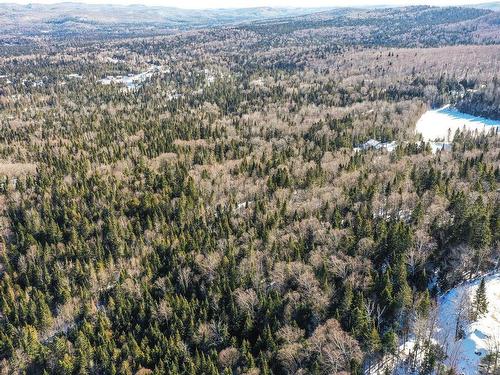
(480,302)
(390,342)
(425,304)
(374,343)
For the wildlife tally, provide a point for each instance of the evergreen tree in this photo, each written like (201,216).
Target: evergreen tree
(390,342)
(425,304)
(374,343)
(480,302)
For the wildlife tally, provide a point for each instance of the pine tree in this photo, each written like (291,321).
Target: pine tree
(386,293)
(345,304)
(403,294)
(360,319)
(425,304)
(43,313)
(374,344)
(479,226)
(29,341)
(480,303)
(390,342)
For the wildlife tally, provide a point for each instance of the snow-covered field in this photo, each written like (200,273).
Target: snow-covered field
(441,124)
(480,336)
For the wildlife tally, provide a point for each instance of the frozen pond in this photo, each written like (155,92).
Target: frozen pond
(441,124)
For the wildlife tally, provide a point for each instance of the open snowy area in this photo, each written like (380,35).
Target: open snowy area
(454,312)
(441,124)
(132,81)
(479,336)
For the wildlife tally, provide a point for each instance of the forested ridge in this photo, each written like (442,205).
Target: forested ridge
(217,216)
(483,101)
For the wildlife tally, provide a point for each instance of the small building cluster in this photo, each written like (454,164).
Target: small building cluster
(377,145)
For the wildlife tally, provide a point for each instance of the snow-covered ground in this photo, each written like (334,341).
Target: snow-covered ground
(441,124)
(480,336)
(377,145)
(440,146)
(132,81)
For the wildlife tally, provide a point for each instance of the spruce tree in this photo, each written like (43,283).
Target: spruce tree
(425,304)
(480,304)
(390,342)
(374,343)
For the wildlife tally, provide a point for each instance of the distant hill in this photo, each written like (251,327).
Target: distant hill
(412,26)
(64,20)
(495,6)
(51,17)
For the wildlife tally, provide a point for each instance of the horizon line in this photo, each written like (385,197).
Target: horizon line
(125,4)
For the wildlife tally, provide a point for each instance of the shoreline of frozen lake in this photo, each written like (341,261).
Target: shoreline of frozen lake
(442,123)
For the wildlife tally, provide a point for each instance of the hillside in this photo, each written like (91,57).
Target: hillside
(466,343)
(411,26)
(63,17)
(404,27)
(493,5)
(480,337)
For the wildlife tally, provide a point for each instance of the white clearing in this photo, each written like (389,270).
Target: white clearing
(441,124)
(133,81)
(480,336)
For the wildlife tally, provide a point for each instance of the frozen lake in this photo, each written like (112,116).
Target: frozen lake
(441,124)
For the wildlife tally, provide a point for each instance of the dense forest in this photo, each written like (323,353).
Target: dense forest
(214,215)
(484,101)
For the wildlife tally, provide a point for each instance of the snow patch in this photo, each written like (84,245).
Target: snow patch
(479,336)
(440,146)
(132,81)
(377,145)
